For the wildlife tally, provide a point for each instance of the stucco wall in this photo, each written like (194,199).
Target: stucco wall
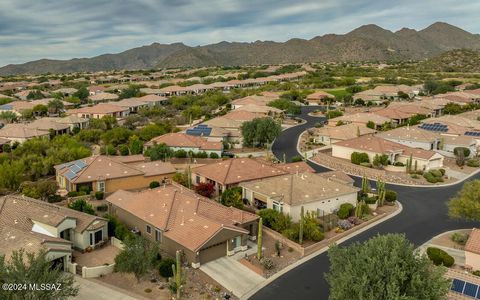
(327,205)
(93,272)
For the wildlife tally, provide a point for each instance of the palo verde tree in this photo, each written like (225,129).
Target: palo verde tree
(138,256)
(466,203)
(384,267)
(26,267)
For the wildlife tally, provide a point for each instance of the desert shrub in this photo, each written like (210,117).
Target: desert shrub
(442,171)
(73,194)
(460,238)
(390,196)
(84,189)
(180,153)
(99,195)
(214,155)
(430,177)
(359,157)
(267,263)
(473,163)
(399,164)
(436,173)
(297,158)
(345,210)
(371,200)
(414,176)
(344,224)
(476,273)
(154,184)
(54,198)
(165,267)
(466,151)
(354,220)
(440,257)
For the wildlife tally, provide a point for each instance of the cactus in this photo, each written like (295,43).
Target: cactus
(177,274)
(416,165)
(300,230)
(365,187)
(358,209)
(259,239)
(358,131)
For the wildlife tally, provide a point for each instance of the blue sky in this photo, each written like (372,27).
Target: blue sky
(63,29)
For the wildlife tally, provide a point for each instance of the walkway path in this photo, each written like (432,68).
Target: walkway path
(424,215)
(89,290)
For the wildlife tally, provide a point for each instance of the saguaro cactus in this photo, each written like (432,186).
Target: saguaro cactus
(300,233)
(177,274)
(259,239)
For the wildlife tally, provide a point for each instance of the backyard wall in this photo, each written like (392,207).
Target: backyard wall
(97,271)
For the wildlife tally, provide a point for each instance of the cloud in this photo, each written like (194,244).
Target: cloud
(34,29)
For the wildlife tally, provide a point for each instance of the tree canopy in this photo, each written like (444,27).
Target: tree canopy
(466,204)
(260,131)
(34,268)
(384,267)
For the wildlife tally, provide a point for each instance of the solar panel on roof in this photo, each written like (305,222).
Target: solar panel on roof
(70,175)
(80,163)
(458,285)
(470,289)
(75,169)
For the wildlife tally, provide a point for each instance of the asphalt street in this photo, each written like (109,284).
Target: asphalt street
(424,215)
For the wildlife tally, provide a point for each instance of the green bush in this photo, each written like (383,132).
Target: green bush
(180,153)
(345,210)
(476,273)
(297,158)
(366,164)
(267,263)
(466,151)
(473,163)
(359,157)
(430,177)
(440,257)
(436,173)
(214,155)
(399,164)
(371,200)
(443,171)
(460,238)
(390,196)
(202,154)
(154,184)
(54,198)
(84,189)
(99,195)
(165,267)
(414,176)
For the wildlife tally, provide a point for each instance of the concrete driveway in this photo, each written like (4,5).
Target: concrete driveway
(90,289)
(232,275)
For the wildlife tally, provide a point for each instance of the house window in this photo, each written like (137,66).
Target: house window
(158,235)
(101,186)
(149,229)
(278,206)
(98,236)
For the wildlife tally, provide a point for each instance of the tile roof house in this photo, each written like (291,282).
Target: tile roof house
(361,118)
(103,97)
(100,110)
(319,97)
(33,225)
(110,173)
(231,172)
(288,193)
(182,141)
(21,133)
(179,219)
(133,104)
(49,124)
(373,145)
(472,250)
(328,135)
(254,99)
(386,92)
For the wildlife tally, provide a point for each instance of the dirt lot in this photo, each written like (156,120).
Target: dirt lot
(446,239)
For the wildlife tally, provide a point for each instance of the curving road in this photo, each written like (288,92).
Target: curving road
(424,215)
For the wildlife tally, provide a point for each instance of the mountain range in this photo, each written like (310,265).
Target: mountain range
(366,43)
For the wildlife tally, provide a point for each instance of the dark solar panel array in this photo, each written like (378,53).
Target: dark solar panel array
(199,130)
(74,168)
(465,288)
(434,127)
(472,133)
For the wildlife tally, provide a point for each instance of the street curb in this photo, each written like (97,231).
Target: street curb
(393,183)
(318,252)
